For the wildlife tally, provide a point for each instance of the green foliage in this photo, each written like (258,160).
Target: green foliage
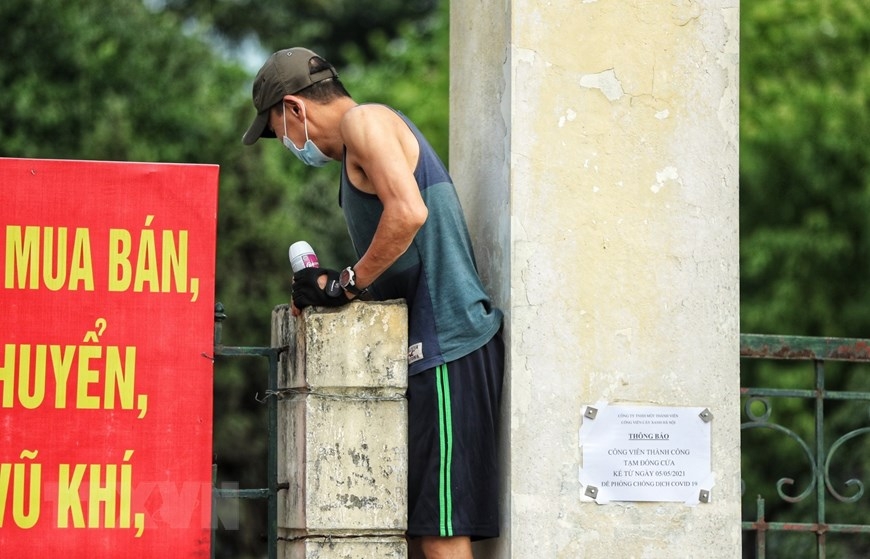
(411,74)
(805,244)
(805,186)
(327,26)
(133,81)
(75,88)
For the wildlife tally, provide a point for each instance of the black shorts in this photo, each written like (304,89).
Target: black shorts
(453,413)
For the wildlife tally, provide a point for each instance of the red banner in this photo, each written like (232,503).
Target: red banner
(107,310)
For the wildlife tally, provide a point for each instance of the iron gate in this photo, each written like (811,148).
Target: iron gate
(818,489)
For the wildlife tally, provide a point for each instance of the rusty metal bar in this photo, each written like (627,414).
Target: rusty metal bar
(803,347)
(795,393)
(808,527)
(820,455)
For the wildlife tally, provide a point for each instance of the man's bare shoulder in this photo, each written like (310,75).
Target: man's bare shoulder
(369,117)
(378,144)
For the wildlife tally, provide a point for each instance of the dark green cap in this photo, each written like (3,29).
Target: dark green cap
(286,72)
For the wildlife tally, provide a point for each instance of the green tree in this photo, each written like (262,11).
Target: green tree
(128,81)
(805,244)
(327,26)
(116,81)
(805,186)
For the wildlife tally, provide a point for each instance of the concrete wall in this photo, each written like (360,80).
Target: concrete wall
(594,145)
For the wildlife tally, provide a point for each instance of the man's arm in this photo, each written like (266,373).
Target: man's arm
(382,153)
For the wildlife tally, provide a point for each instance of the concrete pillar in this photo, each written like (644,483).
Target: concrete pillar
(594,144)
(342,423)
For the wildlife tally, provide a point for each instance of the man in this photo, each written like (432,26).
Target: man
(412,243)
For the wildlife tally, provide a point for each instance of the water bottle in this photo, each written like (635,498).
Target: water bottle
(302,256)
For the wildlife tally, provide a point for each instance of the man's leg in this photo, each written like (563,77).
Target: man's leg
(414,551)
(446,548)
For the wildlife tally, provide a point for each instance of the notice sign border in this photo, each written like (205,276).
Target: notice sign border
(646,453)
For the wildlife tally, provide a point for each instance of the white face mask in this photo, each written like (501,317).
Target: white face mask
(310,154)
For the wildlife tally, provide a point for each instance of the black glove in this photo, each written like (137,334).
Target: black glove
(307,292)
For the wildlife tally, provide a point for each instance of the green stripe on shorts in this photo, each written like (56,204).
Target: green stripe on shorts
(445,436)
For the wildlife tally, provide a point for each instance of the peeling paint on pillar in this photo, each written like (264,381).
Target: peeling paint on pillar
(605,81)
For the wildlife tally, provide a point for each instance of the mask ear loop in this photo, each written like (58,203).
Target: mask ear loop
(284,120)
(305,122)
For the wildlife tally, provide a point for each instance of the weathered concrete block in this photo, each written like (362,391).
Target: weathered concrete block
(345,548)
(347,464)
(362,345)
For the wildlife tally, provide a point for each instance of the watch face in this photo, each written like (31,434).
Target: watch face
(346,277)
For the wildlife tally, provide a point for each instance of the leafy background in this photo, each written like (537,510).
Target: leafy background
(805,250)
(169,81)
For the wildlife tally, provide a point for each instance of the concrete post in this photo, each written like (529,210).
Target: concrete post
(594,144)
(342,441)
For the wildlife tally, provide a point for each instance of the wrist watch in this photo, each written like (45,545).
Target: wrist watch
(347,281)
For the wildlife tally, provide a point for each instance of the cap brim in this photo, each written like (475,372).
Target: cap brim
(257,129)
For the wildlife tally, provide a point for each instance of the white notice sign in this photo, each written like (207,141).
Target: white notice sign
(646,453)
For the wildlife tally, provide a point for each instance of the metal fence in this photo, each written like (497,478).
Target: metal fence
(269,493)
(817,488)
(803,501)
